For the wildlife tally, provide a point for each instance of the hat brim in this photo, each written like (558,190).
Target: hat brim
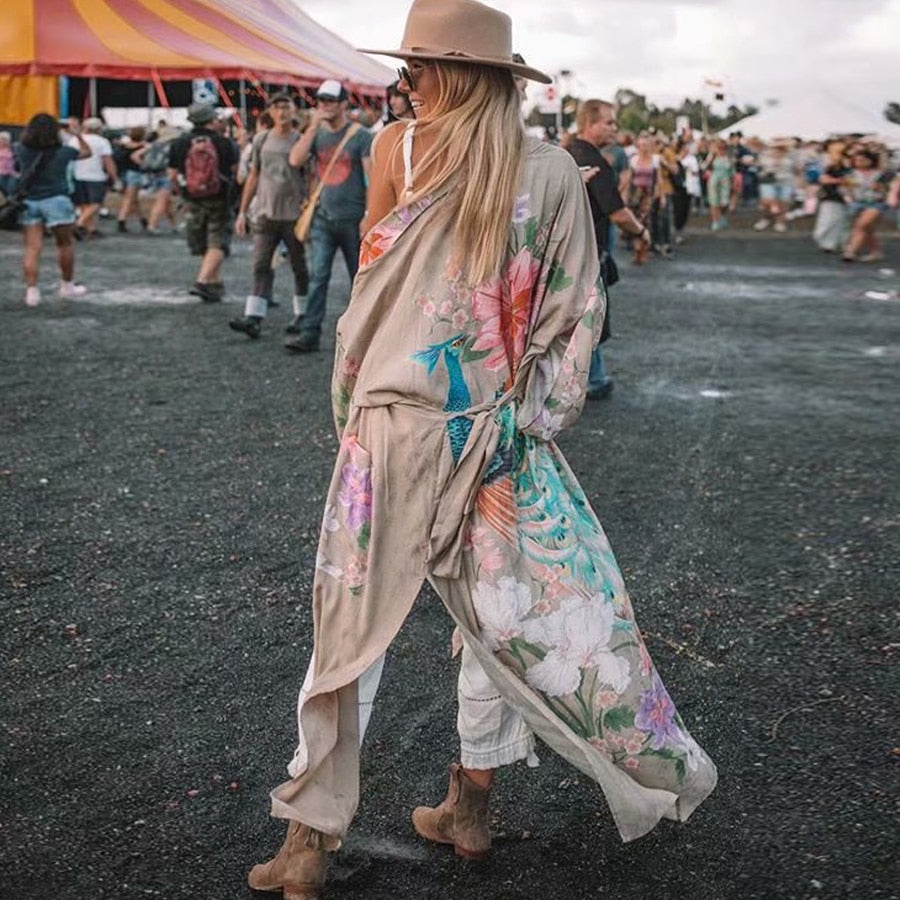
(443,56)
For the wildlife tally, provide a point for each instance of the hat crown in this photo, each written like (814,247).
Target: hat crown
(201,113)
(461,30)
(458,28)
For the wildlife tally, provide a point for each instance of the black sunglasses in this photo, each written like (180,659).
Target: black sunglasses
(404,75)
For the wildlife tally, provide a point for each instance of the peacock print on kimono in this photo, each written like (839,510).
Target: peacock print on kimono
(495,501)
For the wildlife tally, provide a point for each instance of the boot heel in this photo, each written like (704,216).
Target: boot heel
(473,855)
(302,891)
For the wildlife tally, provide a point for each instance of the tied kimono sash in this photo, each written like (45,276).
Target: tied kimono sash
(459,492)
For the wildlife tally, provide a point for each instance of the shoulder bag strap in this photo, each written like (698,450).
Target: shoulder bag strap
(29,176)
(314,199)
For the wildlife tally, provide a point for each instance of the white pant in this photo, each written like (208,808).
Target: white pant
(491,733)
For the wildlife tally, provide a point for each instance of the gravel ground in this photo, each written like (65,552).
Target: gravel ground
(162,482)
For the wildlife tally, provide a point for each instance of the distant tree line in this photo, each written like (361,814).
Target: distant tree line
(637,114)
(892,113)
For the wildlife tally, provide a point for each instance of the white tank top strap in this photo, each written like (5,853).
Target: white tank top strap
(407,158)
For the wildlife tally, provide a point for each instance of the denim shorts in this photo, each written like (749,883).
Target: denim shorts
(51,211)
(133,178)
(159,181)
(781,192)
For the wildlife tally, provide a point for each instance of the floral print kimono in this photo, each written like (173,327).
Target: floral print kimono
(447,399)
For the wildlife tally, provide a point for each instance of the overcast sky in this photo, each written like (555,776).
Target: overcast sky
(759,49)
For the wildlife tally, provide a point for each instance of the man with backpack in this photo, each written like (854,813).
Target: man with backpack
(203,164)
(277,190)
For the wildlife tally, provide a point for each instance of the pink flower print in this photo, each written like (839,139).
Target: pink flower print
(459,319)
(446,307)
(350,367)
(491,561)
(520,280)
(656,714)
(355,494)
(635,742)
(486,301)
(646,661)
(427,305)
(632,762)
(353,576)
(598,744)
(502,308)
(607,699)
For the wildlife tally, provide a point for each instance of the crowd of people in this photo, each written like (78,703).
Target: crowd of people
(850,185)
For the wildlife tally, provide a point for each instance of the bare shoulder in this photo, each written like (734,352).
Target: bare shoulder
(388,137)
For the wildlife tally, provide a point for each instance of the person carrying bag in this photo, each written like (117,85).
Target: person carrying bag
(11,206)
(303,225)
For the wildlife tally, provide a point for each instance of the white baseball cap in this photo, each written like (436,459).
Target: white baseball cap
(331,90)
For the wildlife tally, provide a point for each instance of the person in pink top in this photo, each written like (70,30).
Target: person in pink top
(8,178)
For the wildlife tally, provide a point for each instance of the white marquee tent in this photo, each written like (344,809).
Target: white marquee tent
(819,116)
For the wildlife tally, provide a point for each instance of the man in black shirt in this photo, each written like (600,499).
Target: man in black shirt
(596,127)
(202,166)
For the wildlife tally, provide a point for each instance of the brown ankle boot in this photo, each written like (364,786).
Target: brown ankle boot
(461,820)
(297,869)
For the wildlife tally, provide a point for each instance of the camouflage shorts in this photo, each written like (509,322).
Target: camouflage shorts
(207,225)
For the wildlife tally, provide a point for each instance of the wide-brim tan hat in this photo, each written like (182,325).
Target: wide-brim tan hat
(460,31)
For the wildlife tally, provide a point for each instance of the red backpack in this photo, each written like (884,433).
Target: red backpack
(201,169)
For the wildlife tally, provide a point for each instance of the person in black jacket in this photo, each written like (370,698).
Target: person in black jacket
(207,212)
(596,127)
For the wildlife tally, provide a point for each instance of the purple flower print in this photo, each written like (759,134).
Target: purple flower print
(355,495)
(656,714)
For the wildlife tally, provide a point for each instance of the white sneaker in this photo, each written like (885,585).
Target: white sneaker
(761,225)
(70,289)
(780,227)
(32,296)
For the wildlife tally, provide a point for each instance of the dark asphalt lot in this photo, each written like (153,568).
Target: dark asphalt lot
(162,481)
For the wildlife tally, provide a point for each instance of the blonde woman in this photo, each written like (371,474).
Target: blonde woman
(464,350)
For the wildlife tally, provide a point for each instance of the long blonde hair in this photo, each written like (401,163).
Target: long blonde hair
(479,149)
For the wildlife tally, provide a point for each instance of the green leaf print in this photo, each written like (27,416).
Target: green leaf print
(559,281)
(531,232)
(679,770)
(619,718)
(342,406)
(517,645)
(470,355)
(362,539)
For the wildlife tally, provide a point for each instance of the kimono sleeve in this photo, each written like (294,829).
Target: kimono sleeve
(567,315)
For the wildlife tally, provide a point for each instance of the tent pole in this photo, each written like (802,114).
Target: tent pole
(151,102)
(64,96)
(244,102)
(160,90)
(92,93)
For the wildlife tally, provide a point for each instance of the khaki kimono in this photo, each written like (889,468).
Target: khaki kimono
(447,398)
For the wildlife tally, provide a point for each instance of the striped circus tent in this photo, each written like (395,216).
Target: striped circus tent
(159,40)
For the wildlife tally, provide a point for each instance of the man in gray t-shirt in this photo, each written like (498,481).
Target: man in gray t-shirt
(342,203)
(276,190)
